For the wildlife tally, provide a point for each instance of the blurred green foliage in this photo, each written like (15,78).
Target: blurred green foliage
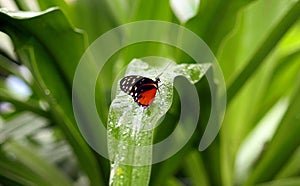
(256,42)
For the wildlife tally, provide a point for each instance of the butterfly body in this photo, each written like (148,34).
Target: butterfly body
(142,89)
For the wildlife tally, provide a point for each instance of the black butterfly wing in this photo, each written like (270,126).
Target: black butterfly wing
(145,94)
(142,89)
(127,83)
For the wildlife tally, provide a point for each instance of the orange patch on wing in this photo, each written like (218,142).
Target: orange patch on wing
(147,97)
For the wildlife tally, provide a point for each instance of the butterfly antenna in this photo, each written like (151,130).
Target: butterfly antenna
(164,70)
(157,77)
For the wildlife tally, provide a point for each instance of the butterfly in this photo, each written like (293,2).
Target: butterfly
(142,89)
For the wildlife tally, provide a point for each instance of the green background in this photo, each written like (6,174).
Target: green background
(256,42)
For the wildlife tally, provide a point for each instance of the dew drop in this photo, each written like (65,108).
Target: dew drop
(47,92)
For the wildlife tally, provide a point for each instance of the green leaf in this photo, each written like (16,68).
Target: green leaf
(64,44)
(252,147)
(194,167)
(9,67)
(18,172)
(282,182)
(173,182)
(20,125)
(265,88)
(24,5)
(42,41)
(131,127)
(285,142)
(46,173)
(215,20)
(144,10)
(121,9)
(265,48)
(291,168)
(93,16)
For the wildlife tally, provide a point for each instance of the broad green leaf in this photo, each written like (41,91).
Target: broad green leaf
(130,127)
(62,42)
(42,41)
